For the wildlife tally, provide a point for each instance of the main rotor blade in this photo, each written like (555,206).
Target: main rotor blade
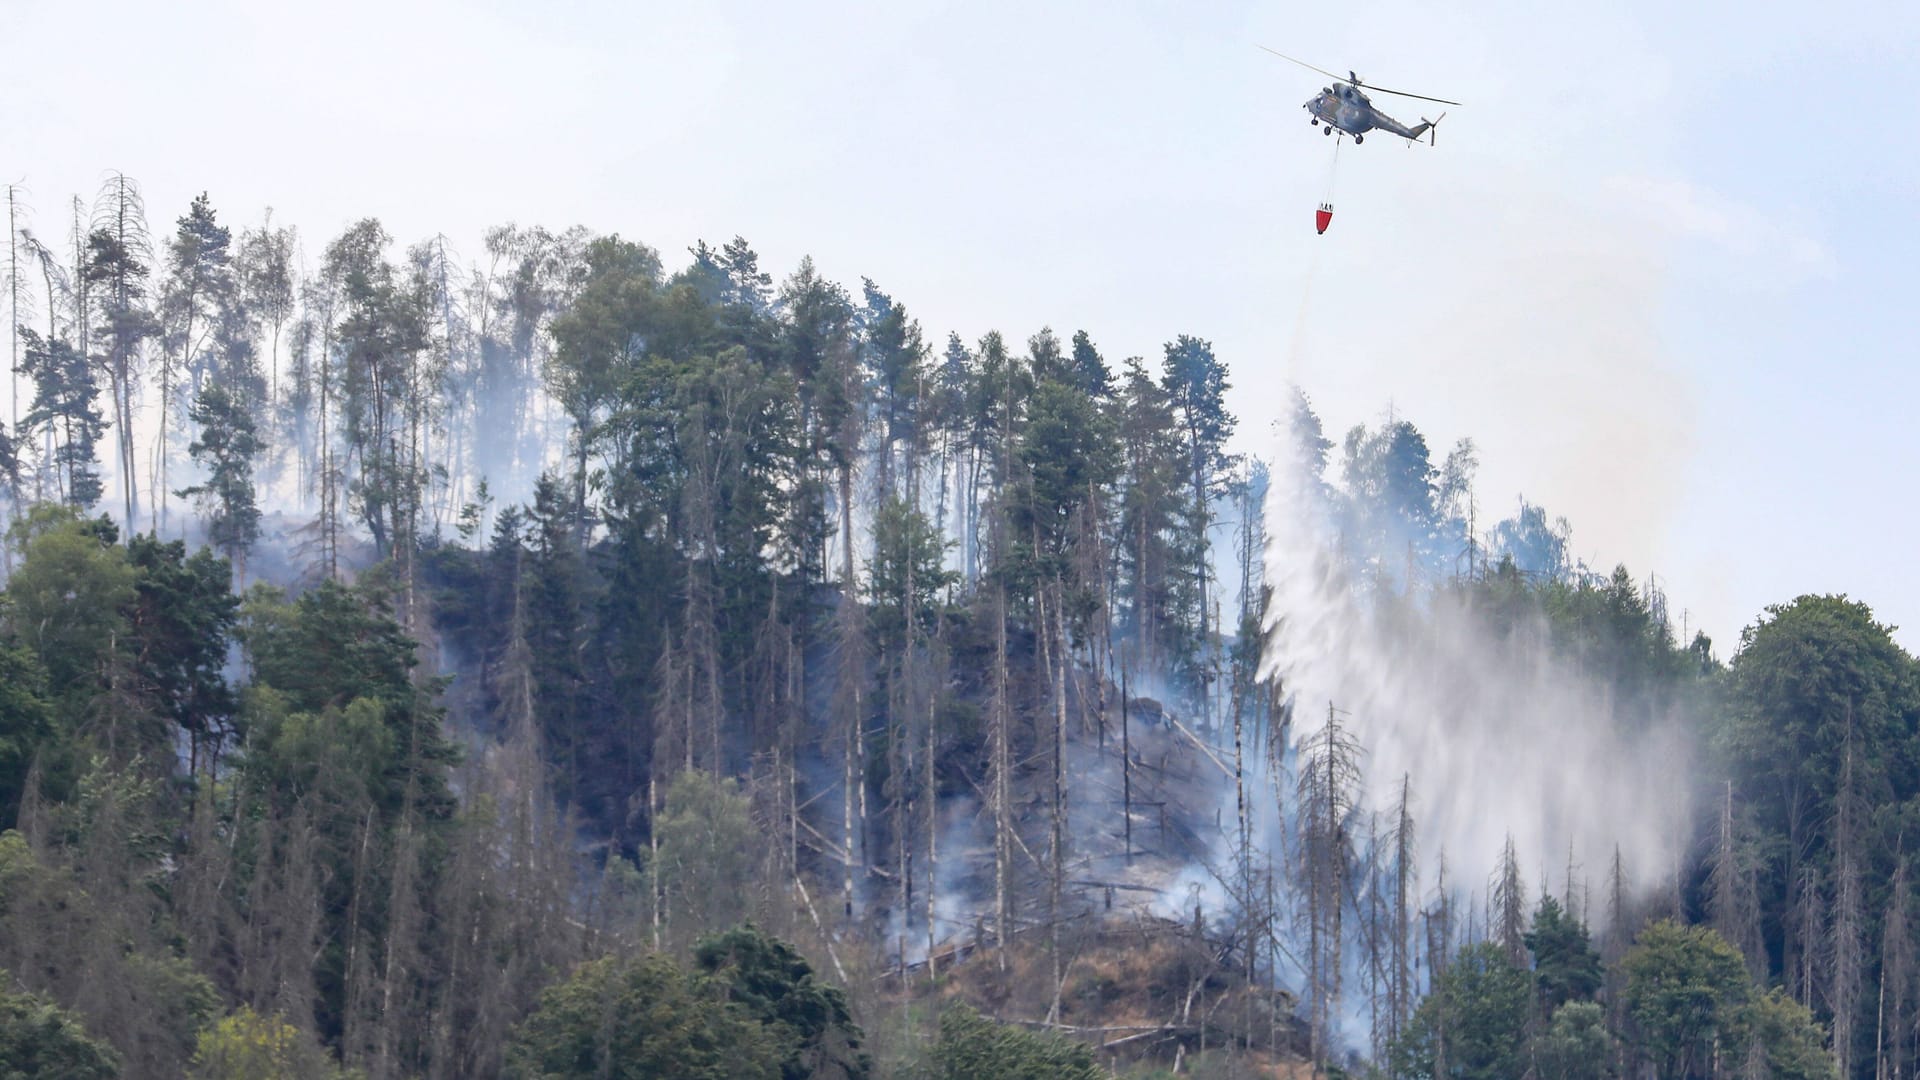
(1304,64)
(1371,89)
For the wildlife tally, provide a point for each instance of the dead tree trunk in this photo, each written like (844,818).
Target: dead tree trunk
(999,719)
(1896,977)
(1400,967)
(1329,774)
(1849,961)
(1508,911)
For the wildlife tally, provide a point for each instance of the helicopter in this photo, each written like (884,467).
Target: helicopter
(1346,107)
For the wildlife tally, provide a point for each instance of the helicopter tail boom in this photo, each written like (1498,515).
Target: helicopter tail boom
(1429,128)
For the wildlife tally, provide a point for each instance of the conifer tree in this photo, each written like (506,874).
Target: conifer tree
(200,284)
(1195,382)
(1155,584)
(226,449)
(66,413)
(113,269)
(893,355)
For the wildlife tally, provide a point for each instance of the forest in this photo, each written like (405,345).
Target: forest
(569,661)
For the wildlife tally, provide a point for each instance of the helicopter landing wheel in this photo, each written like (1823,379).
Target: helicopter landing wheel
(1315,121)
(1328,130)
(1358,139)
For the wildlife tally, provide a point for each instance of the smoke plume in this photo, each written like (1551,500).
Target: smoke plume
(1499,734)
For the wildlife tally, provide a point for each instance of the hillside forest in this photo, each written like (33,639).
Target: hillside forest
(564,659)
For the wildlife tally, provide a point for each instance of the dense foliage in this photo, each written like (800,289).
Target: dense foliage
(39,1039)
(971,1047)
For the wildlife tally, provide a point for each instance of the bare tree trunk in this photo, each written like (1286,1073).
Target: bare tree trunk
(1328,775)
(1056,662)
(329,508)
(1400,985)
(852,691)
(1849,961)
(1126,771)
(1508,911)
(126,232)
(653,862)
(1896,971)
(15,314)
(933,822)
(1734,908)
(1810,919)
(401,960)
(356,1010)
(999,720)
(1243,865)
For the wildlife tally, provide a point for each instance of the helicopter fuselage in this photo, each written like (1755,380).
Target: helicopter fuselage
(1346,108)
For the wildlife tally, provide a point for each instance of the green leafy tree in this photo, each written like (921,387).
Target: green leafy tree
(706,861)
(10,468)
(769,981)
(1473,1026)
(39,1041)
(1821,703)
(972,1047)
(26,718)
(1576,1044)
(69,596)
(379,340)
(1786,1042)
(637,1021)
(334,646)
(345,751)
(600,340)
(180,624)
(245,1045)
(1685,989)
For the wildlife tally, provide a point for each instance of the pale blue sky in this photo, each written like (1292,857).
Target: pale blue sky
(1660,266)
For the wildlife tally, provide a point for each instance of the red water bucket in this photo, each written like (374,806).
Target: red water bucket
(1323,217)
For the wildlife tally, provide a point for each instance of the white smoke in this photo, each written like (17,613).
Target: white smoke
(1498,735)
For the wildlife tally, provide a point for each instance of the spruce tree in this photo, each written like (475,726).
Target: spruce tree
(199,287)
(65,410)
(225,450)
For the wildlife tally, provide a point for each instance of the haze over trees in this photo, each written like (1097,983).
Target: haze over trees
(569,659)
